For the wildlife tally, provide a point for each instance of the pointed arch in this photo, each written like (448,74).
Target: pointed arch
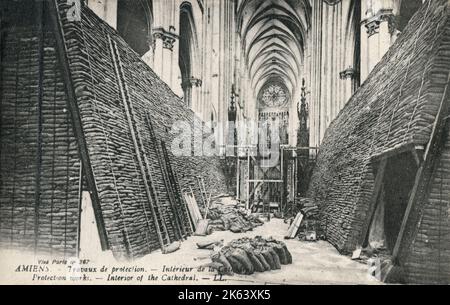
(135,22)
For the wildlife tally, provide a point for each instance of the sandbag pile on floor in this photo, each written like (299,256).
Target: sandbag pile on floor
(226,217)
(250,255)
(309,227)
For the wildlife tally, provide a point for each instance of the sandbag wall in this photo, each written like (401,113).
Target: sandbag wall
(427,256)
(117,96)
(39,161)
(396,106)
(49,222)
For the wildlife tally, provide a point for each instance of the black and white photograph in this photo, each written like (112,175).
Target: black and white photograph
(253,143)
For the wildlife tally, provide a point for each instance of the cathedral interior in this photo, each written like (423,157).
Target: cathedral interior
(127,111)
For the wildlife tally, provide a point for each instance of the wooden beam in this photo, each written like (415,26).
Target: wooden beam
(238,179)
(374,200)
(265,181)
(61,51)
(393,152)
(80,208)
(40,119)
(416,157)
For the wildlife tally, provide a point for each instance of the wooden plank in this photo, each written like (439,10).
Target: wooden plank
(137,144)
(202,227)
(196,209)
(80,209)
(393,152)
(188,207)
(193,209)
(39,140)
(265,181)
(297,225)
(373,201)
(208,206)
(293,229)
(176,189)
(192,214)
(61,51)
(169,189)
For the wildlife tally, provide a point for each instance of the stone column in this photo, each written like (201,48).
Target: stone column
(187,92)
(378,29)
(196,85)
(347,77)
(163,63)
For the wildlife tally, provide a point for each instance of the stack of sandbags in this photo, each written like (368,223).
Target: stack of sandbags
(309,225)
(224,218)
(247,256)
(309,209)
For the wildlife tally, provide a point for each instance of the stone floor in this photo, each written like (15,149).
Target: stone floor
(313,263)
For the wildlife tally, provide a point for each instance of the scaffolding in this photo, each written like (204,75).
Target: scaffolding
(247,155)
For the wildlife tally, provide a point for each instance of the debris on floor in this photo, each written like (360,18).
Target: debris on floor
(210,245)
(295,225)
(305,225)
(236,220)
(175,246)
(250,255)
(194,211)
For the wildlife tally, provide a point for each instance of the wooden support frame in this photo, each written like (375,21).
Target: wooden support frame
(238,179)
(265,181)
(61,51)
(136,138)
(424,172)
(39,140)
(247,205)
(250,181)
(80,208)
(396,151)
(374,201)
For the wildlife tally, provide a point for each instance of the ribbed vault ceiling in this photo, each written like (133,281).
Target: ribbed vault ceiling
(273,34)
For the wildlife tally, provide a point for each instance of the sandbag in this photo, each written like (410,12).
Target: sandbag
(209,245)
(217,228)
(280,252)
(226,224)
(262,260)
(221,259)
(236,228)
(242,257)
(172,247)
(255,261)
(215,266)
(276,259)
(288,254)
(249,255)
(236,265)
(269,259)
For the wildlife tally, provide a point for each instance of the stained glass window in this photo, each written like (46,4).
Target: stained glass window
(274,96)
